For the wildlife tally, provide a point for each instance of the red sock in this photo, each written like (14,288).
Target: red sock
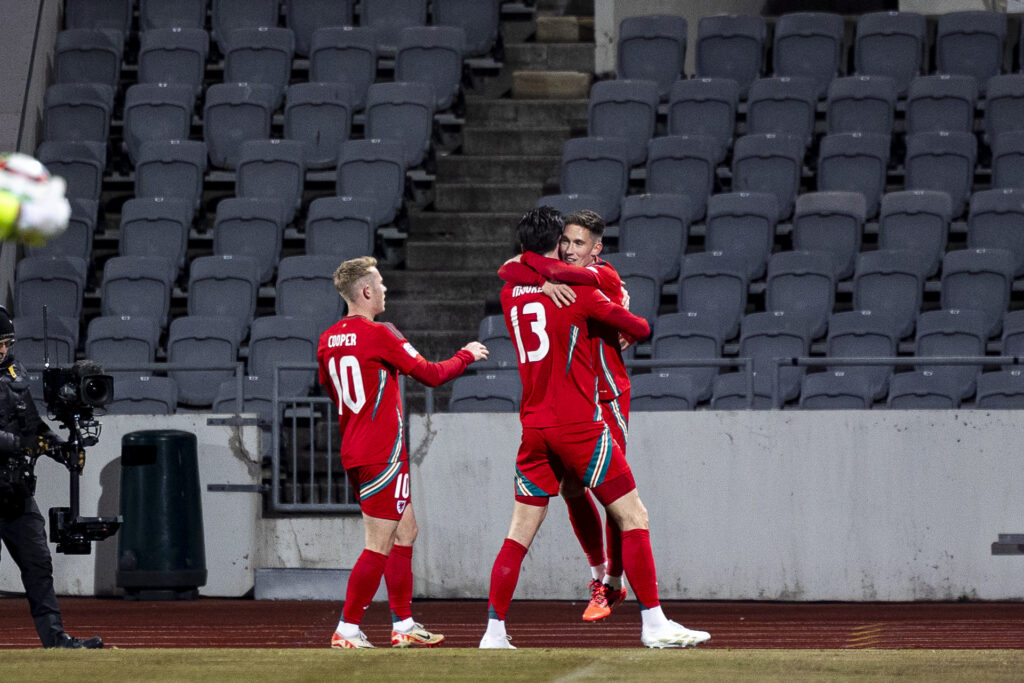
(586,522)
(362,585)
(638,561)
(614,536)
(504,577)
(398,577)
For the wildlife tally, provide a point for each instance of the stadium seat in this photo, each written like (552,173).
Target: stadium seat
(122,341)
(174,55)
(730,393)
(404,112)
(921,390)
(144,395)
(432,55)
(980,280)
(941,102)
(769,162)
(1002,390)
(1004,105)
(769,335)
(480,22)
(85,55)
(232,114)
(942,161)
(228,15)
(863,334)
(493,334)
(251,227)
(808,44)
(257,397)
(277,339)
(656,227)
(916,221)
(485,393)
(160,14)
(970,43)
(830,222)
(834,390)
(76,240)
(731,47)
(272,169)
(714,284)
(81,164)
(56,282)
(782,104)
(890,44)
(861,104)
(53,342)
(952,332)
(374,169)
(624,109)
(801,284)
(683,165)
(389,17)
(1008,160)
(77,112)
(305,289)
(598,166)
(1012,342)
(854,162)
(651,48)
(319,115)
(889,282)
(259,55)
(194,343)
(688,335)
(742,223)
(640,280)
(224,287)
(156,111)
(108,14)
(566,204)
(171,168)
(138,286)
(340,227)
(304,17)
(704,106)
(995,220)
(345,54)
(661,390)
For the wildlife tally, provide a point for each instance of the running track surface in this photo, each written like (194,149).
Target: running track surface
(293,624)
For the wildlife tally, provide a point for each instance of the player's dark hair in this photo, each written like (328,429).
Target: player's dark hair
(590,220)
(539,229)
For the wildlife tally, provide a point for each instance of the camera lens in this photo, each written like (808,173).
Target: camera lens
(97,391)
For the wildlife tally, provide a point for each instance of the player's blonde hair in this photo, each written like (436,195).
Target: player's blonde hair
(349,273)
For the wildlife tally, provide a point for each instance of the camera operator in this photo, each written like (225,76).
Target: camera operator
(22,529)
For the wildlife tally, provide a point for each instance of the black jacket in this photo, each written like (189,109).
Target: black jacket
(19,420)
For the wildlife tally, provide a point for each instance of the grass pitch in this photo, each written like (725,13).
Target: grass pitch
(522,665)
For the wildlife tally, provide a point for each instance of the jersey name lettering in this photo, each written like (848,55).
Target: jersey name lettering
(336,340)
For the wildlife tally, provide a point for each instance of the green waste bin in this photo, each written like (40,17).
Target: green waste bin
(160,550)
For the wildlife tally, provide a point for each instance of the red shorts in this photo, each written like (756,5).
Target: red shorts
(616,415)
(586,449)
(382,490)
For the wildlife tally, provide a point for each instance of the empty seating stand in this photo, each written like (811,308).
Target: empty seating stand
(651,48)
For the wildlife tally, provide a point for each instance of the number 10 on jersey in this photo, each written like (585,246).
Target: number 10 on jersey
(348,383)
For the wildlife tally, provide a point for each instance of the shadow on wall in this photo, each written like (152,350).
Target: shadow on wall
(106,550)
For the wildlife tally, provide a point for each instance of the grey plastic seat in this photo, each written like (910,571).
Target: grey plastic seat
(704,106)
(978,279)
(232,114)
(625,109)
(257,397)
(854,162)
(122,341)
(651,48)
(731,47)
(345,54)
(970,43)
(782,104)
(252,227)
(1004,105)
(830,222)
(341,227)
(77,112)
(1008,160)
(138,286)
(260,55)
(157,227)
(277,339)
(272,169)
(224,286)
(144,395)
(404,112)
(769,335)
(488,392)
(374,169)
(172,169)
(683,165)
(305,289)
(941,102)
(57,282)
(661,390)
(996,221)
(802,284)
(108,14)
(319,115)
(432,55)
(952,332)
(890,44)
(228,15)
(389,17)
(77,238)
(861,104)
(304,17)
(714,284)
(889,282)
(863,334)
(57,345)
(769,162)
(1012,341)
(196,343)
(1002,390)
(730,393)
(480,21)
(656,227)
(566,204)
(921,390)
(916,221)
(174,55)
(81,164)
(688,335)
(160,14)
(834,390)
(156,111)
(942,161)
(808,44)
(639,279)
(598,166)
(85,55)
(743,224)
(493,333)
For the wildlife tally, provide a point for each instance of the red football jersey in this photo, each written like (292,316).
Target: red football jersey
(359,363)
(556,351)
(535,269)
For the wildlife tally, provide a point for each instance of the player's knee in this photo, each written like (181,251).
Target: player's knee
(633,517)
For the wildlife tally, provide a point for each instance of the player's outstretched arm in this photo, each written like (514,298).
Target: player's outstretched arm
(435,374)
(553,269)
(633,326)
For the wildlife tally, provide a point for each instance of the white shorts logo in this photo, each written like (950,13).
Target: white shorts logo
(400,505)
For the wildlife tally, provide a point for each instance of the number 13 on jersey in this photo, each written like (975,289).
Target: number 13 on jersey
(348,383)
(533,312)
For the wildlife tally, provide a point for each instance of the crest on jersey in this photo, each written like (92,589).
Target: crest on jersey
(400,506)
(412,352)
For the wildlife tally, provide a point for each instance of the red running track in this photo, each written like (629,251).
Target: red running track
(287,624)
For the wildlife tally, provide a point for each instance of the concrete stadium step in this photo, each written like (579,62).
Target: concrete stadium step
(440,284)
(564,29)
(551,85)
(550,56)
(479,227)
(523,113)
(515,142)
(434,314)
(487,256)
(490,197)
(498,169)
